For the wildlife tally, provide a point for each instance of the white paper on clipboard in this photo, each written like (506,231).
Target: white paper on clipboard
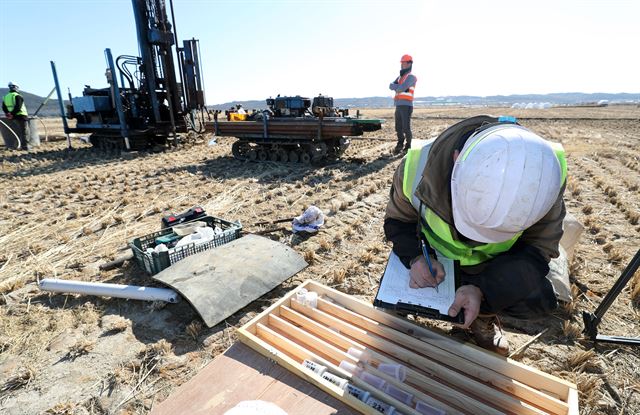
(394,286)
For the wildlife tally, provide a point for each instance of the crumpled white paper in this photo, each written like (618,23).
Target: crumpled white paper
(310,221)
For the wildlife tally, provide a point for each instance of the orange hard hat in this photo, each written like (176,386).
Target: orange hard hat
(406,58)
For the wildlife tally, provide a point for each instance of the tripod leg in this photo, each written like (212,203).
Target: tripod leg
(591,321)
(624,279)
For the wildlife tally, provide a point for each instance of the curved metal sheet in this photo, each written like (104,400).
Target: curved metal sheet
(221,281)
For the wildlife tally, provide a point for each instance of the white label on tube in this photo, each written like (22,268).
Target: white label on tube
(336,380)
(314,367)
(380,406)
(357,392)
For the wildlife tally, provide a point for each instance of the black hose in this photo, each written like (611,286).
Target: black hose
(121,61)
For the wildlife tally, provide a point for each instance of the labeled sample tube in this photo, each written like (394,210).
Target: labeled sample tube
(380,406)
(336,380)
(357,392)
(314,367)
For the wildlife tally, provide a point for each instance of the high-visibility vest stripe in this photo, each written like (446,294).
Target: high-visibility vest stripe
(404,95)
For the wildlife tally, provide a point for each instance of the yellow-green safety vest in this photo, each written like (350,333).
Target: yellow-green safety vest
(10,102)
(438,232)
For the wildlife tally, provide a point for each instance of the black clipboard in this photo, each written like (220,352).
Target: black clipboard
(421,311)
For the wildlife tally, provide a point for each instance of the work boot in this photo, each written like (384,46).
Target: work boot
(407,147)
(488,334)
(397,149)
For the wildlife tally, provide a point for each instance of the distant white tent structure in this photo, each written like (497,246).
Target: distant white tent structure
(532,105)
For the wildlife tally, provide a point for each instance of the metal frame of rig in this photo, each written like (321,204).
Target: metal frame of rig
(144,104)
(150,99)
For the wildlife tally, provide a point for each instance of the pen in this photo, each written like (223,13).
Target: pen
(426,256)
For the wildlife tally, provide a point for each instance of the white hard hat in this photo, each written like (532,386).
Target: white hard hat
(505,179)
(12,85)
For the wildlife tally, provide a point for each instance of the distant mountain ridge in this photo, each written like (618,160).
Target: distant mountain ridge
(562,98)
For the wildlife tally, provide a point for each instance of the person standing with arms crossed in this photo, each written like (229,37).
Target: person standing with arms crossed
(404,86)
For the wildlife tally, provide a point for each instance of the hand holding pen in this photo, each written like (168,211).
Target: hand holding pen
(425,272)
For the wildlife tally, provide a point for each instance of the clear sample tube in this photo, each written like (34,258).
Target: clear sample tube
(301,296)
(350,367)
(312,299)
(372,380)
(361,355)
(426,409)
(394,370)
(399,394)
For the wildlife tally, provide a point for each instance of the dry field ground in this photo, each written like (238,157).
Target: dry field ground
(64,213)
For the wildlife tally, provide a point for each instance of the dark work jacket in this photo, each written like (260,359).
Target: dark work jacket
(508,278)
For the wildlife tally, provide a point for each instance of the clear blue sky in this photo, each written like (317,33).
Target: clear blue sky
(254,49)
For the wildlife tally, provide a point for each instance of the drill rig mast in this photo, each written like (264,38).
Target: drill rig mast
(149,98)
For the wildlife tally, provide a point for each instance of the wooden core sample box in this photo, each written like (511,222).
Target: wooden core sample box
(441,375)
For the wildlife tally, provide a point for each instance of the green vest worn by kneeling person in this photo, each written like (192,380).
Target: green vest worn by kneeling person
(438,232)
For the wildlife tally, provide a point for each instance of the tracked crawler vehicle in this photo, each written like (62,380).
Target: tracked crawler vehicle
(293,129)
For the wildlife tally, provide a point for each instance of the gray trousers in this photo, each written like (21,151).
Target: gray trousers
(403,124)
(23,131)
(18,125)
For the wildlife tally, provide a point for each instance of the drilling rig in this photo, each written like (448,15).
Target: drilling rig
(149,100)
(152,98)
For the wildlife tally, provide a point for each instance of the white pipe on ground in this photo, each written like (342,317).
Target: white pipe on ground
(132,292)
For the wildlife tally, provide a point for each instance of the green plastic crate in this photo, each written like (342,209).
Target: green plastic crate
(154,262)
